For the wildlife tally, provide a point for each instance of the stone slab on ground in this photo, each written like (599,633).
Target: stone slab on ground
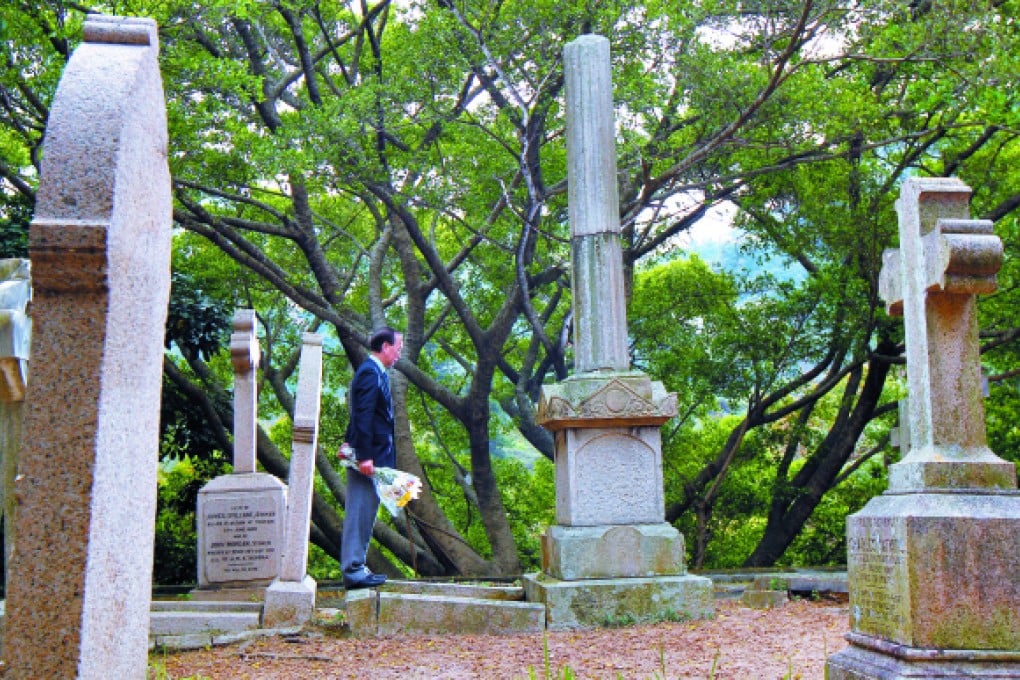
(456,589)
(598,602)
(373,613)
(822,582)
(764,599)
(246,593)
(202,621)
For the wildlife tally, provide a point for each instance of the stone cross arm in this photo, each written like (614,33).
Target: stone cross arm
(958,256)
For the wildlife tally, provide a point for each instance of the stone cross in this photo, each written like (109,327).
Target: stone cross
(932,565)
(944,261)
(80,576)
(290,599)
(240,516)
(244,355)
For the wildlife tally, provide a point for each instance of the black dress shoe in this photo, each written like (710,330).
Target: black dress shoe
(364,581)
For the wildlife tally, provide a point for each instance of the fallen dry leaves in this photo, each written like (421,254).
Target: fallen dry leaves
(739,643)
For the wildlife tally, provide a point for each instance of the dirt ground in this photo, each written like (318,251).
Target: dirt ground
(792,641)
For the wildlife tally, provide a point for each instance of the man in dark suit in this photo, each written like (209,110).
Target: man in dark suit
(370,433)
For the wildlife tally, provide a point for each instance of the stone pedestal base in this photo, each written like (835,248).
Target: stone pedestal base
(599,602)
(937,570)
(612,551)
(875,659)
(289,603)
(934,584)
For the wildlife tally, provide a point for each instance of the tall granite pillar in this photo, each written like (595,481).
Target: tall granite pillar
(290,599)
(240,516)
(80,573)
(611,553)
(934,562)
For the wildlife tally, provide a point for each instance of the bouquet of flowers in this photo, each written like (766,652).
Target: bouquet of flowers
(395,488)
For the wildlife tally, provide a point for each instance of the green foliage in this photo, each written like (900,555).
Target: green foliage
(528,494)
(822,542)
(676,313)
(15,216)
(322,567)
(185,428)
(530,500)
(198,324)
(178,483)
(335,165)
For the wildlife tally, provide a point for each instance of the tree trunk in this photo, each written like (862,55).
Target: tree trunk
(791,511)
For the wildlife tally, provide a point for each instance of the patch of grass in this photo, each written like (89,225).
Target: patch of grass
(564,673)
(619,621)
(715,664)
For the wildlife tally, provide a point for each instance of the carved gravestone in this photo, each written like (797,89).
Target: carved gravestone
(240,516)
(80,573)
(611,553)
(933,564)
(290,599)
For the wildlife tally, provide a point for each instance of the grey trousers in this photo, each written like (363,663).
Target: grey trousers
(362,505)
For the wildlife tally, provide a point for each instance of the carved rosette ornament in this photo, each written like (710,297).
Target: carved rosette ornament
(615,400)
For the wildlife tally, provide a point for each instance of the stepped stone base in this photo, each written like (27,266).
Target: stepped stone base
(596,602)
(246,593)
(289,603)
(612,551)
(372,613)
(456,590)
(889,661)
(188,624)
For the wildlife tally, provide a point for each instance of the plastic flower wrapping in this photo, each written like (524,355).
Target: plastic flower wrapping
(395,488)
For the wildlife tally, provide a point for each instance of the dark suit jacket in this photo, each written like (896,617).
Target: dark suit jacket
(370,431)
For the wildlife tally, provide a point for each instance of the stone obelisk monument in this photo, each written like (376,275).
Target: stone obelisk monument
(80,573)
(611,555)
(934,562)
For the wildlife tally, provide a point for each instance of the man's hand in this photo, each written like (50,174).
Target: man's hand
(366,467)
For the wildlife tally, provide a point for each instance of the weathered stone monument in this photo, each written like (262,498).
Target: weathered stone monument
(290,599)
(611,554)
(240,515)
(80,573)
(934,562)
(15,337)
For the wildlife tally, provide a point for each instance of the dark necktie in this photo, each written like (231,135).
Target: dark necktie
(384,383)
